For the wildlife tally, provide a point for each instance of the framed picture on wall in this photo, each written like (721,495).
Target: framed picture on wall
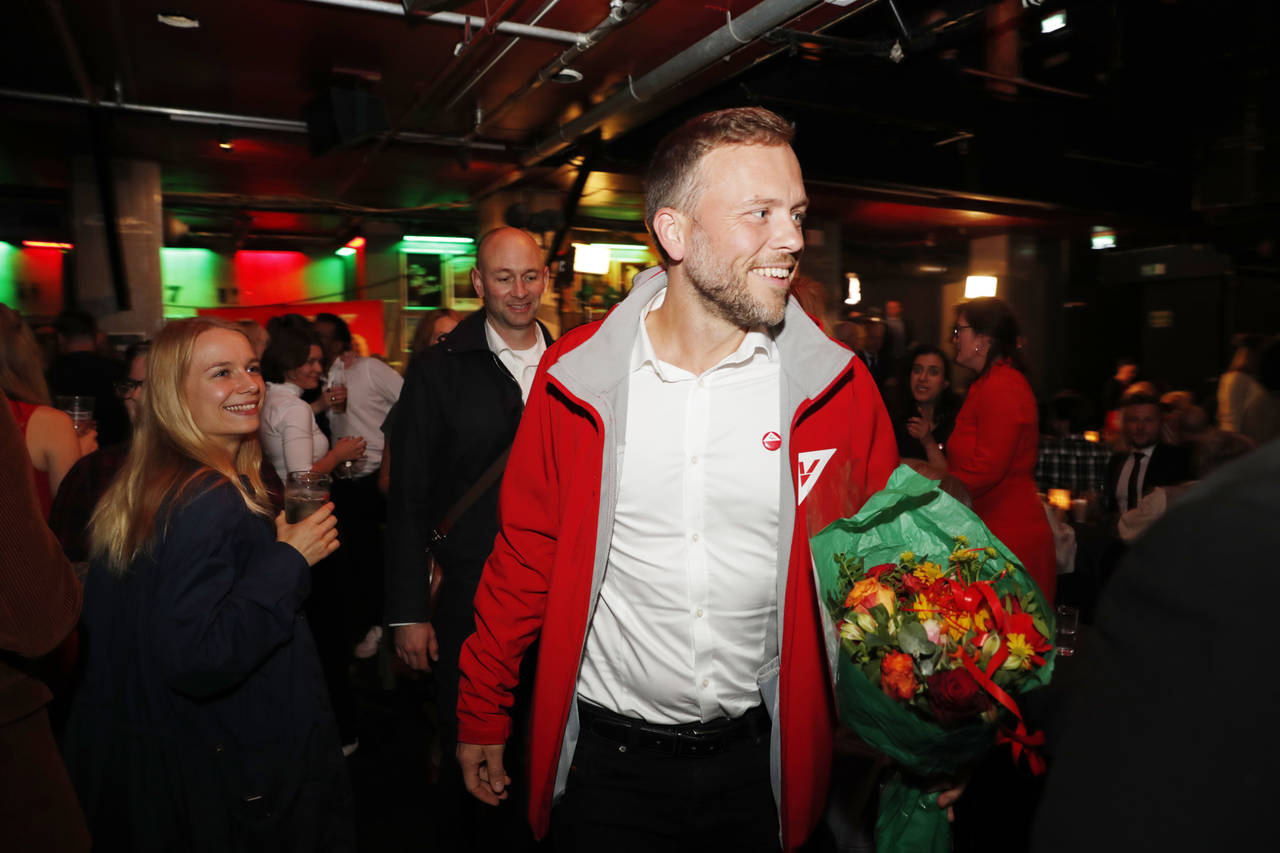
(430,280)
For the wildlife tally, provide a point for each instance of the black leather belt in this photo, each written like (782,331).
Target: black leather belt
(690,740)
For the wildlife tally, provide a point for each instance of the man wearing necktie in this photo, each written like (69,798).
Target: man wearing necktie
(1148,463)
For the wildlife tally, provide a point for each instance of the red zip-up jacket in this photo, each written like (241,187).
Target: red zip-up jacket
(556,510)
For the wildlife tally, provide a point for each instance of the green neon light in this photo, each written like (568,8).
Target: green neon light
(345,252)
(413,238)
(190,277)
(8,275)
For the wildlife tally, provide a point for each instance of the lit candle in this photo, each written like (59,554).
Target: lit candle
(1092,435)
(1060,499)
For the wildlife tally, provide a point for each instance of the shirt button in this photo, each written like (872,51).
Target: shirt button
(694,537)
(706,682)
(698,613)
(693,460)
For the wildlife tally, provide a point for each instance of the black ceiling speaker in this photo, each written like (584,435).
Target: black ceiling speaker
(411,6)
(344,116)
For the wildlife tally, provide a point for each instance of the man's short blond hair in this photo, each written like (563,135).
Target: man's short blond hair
(673,176)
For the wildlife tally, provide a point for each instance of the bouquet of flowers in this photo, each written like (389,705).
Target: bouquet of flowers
(936,628)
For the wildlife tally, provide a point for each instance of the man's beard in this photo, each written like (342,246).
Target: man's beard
(726,292)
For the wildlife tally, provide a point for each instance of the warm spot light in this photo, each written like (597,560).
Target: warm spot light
(42,244)
(977,286)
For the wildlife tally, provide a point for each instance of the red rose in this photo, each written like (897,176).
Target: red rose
(955,697)
(898,676)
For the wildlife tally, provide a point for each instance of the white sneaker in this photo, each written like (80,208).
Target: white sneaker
(368,647)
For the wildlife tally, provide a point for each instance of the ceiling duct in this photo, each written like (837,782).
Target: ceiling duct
(415,6)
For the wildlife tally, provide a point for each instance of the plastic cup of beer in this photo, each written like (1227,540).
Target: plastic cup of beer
(304,493)
(80,409)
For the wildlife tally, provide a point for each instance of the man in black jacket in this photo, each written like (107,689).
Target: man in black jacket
(458,411)
(1148,463)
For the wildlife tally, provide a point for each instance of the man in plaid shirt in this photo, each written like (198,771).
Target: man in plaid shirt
(1068,461)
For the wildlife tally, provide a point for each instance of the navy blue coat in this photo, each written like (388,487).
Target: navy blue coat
(203,722)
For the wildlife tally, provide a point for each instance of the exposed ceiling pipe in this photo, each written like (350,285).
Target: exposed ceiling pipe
(428,94)
(497,57)
(508,28)
(619,14)
(235,120)
(735,34)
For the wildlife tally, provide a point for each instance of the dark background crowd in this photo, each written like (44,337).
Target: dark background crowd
(1125,452)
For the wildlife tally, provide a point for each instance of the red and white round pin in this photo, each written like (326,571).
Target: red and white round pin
(771,440)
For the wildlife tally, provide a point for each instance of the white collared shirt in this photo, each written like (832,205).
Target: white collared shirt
(521,363)
(1122,484)
(689,591)
(291,439)
(373,386)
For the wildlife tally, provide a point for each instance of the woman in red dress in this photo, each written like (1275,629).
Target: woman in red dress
(993,446)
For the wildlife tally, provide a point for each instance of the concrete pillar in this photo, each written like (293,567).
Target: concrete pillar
(139,222)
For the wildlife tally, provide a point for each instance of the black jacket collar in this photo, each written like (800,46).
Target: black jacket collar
(469,336)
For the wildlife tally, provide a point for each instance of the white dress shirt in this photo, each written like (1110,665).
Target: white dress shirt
(1122,484)
(373,386)
(291,439)
(521,363)
(689,590)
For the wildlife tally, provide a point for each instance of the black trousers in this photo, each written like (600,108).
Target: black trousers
(633,800)
(346,592)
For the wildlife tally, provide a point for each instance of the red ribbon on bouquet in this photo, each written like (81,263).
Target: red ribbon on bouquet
(1019,738)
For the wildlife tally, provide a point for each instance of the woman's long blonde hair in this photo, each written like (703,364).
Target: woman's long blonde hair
(169,455)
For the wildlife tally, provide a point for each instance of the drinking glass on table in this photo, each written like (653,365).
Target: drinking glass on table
(80,408)
(1068,626)
(304,493)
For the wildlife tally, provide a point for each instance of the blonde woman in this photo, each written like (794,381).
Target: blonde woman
(201,723)
(50,436)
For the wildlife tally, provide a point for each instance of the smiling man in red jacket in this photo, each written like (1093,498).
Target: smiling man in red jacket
(671,464)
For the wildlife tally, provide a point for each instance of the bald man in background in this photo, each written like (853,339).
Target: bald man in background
(458,411)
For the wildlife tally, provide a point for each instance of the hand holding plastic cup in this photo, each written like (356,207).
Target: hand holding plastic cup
(304,493)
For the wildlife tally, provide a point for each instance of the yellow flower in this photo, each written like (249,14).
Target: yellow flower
(928,572)
(959,622)
(1020,652)
(906,556)
(923,607)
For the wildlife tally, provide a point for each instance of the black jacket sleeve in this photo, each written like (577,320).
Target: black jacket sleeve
(414,439)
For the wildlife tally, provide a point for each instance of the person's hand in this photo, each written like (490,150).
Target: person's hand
(920,429)
(88,440)
(315,537)
(947,799)
(337,395)
(416,645)
(483,773)
(349,448)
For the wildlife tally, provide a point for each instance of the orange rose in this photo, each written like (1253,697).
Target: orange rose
(869,592)
(898,676)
